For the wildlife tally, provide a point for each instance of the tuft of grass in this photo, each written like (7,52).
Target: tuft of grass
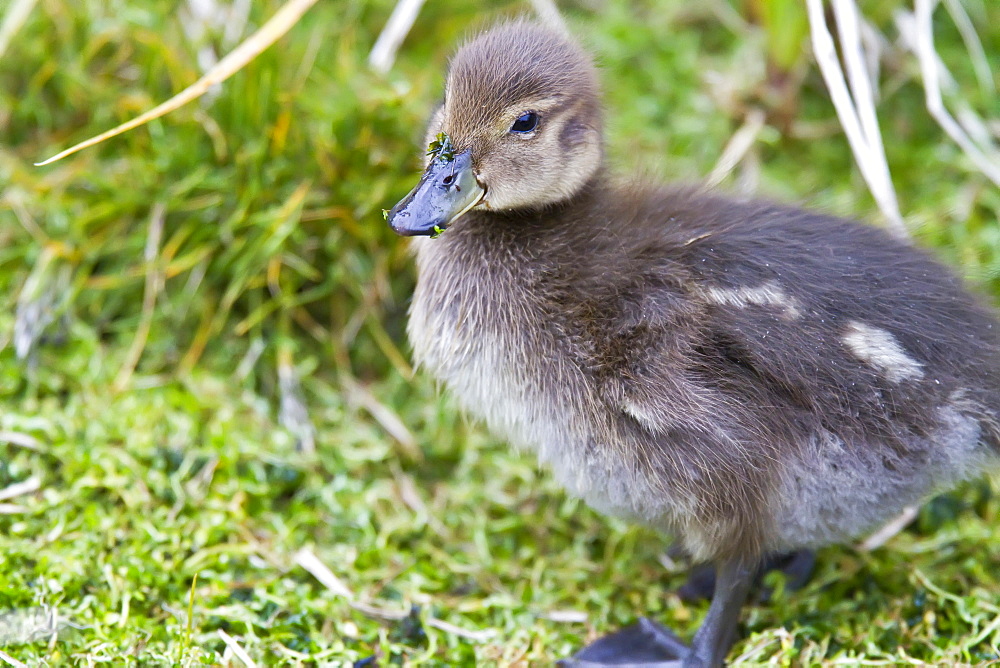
(185,309)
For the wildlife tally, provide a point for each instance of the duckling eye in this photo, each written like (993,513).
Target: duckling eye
(525,123)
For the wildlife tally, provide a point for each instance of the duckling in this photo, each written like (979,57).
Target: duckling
(748,377)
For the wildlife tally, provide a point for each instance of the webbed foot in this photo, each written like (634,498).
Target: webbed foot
(797,567)
(645,644)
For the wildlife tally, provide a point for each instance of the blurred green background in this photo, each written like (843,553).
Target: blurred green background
(203,366)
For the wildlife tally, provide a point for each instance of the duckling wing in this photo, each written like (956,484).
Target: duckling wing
(840,326)
(801,372)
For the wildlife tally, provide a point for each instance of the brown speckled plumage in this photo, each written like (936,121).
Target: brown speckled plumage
(747,376)
(713,412)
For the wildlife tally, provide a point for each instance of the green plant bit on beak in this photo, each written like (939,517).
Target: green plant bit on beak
(442,148)
(437,231)
(385,214)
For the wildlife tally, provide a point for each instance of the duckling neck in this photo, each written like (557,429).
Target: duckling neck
(493,261)
(482,308)
(550,221)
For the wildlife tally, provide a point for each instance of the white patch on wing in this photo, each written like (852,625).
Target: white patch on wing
(642,415)
(881,350)
(766,294)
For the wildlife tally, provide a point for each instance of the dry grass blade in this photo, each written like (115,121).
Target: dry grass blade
(986,158)
(16,201)
(21,440)
(980,63)
(11,661)
(566,616)
(293,413)
(17,13)
(358,395)
(269,33)
(549,14)
(240,653)
(28,486)
(890,529)
(383,54)
(737,147)
(477,636)
(154,283)
(309,561)
(12,509)
(849,33)
(41,298)
(403,15)
(376,612)
(857,116)
(409,495)
(987,631)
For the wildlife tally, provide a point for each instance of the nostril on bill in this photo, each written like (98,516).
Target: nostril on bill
(448,180)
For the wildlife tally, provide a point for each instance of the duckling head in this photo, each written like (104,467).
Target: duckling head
(520,129)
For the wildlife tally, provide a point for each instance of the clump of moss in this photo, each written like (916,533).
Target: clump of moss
(441,147)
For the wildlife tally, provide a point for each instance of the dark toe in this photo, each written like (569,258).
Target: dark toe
(700,584)
(797,567)
(645,644)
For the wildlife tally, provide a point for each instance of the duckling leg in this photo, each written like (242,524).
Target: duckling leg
(718,631)
(649,645)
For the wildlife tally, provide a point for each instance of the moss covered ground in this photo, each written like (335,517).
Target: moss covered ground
(204,374)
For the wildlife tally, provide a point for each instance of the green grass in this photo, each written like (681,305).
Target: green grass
(172,495)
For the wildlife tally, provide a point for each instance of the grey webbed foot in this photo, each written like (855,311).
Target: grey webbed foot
(649,645)
(797,567)
(700,584)
(645,644)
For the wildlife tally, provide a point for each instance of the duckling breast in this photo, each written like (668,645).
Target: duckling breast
(483,325)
